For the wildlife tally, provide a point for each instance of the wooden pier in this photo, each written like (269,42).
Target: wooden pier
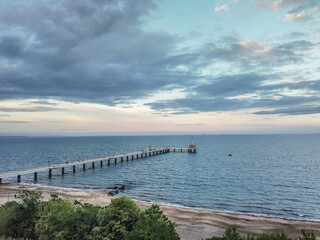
(151,151)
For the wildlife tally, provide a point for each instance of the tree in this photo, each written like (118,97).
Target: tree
(56,220)
(18,220)
(115,220)
(153,225)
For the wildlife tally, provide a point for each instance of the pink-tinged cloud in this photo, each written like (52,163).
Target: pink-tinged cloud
(297,16)
(274,5)
(251,44)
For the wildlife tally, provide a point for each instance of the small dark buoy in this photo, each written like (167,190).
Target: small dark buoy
(230,155)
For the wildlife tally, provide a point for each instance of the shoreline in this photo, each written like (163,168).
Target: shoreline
(163,203)
(227,211)
(192,223)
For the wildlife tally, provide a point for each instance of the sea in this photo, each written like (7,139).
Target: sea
(267,175)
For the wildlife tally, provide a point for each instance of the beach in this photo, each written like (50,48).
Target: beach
(192,224)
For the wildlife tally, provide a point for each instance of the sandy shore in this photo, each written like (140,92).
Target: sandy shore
(192,224)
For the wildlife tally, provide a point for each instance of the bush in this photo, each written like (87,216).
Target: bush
(232,234)
(307,236)
(273,236)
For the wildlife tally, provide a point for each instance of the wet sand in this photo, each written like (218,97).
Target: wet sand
(192,224)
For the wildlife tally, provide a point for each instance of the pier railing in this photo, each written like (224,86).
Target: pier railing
(151,151)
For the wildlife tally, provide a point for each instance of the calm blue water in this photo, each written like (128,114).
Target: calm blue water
(273,175)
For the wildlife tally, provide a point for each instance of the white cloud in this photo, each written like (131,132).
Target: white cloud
(221,8)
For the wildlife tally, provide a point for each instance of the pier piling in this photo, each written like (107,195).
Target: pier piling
(144,153)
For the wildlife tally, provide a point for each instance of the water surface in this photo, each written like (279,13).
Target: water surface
(269,175)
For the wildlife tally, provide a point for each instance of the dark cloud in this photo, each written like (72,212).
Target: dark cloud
(83,51)
(11,47)
(10,122)
(32,109)
(303,5)
(232,92)
(233,85)
(292,111)
(250,55)
(296,35)
(100,51)
(197,104)
(298,10)
(298,5)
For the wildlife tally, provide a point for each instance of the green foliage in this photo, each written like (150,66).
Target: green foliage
(153,225)
(115,220)
(232,234)
(30,202)
(56,220)
(9,218)
(32,218)
(18,220)
(61,219)
(85,220)
(307,236)
(273,236)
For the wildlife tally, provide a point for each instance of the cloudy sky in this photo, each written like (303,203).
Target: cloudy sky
(100,67)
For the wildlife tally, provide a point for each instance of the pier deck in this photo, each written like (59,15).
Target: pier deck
(151,151)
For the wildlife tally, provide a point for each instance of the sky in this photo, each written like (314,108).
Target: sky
(126,67)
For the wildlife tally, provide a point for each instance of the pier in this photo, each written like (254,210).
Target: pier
(148,152)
